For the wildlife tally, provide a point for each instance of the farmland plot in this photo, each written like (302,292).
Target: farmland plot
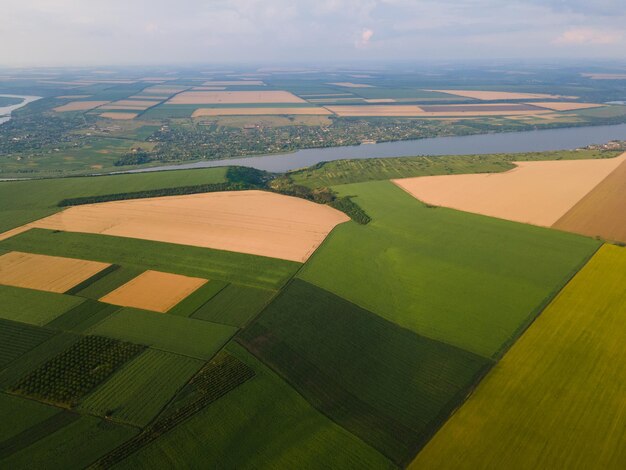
(34,307)
(18,338)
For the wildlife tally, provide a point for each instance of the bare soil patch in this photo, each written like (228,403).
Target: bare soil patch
(79,106)
(154,290)
(255,222)
(258,111)
(47,273)
(602,212)
(538,193)
(234,97)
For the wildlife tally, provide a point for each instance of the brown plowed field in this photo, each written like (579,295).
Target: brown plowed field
(234,97)
(47,273)
(255,222)
(154,290)
(602,212)
(538,193)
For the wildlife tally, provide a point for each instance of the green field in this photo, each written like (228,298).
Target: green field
(387,385)
(556,400)
(263,423)
(372,169)
(461,278)
(18,338)
(83,317)
(234,305)
(197,299)
(33,306)
(192,261)
(138,392)
(18,415)
(109,283)
(24,201)
(186,336)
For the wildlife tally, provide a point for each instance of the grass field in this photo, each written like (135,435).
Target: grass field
(371,169)
(32,306)
(289,433)
(387,385)
(83,316)
(464,279)
(19,414)
(189,337)
(18,338)
(556,400)
(113,280)
(137,392)
(188,306)
(192,261)
(74,446)
(234,305)
(25,201)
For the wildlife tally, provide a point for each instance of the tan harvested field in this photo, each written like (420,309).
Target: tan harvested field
(149,97)
(258,111)
(602,212)
(208,88)
(416,111)
(381,100)
(566,106)
(538,193)
(72,97)
(119,116)
(496,95)
(164,89)
(154,290)
(47,273)
(234,97)
(233,83)
(352,85)
(255,222)
(134,103)
(605,76)
(79,106)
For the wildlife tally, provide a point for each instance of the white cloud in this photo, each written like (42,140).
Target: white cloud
(365,38)
(588,36)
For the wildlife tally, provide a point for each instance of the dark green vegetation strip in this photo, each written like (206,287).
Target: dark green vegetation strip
(39,431)
(197,299)
(234,305)
(223,374)
(66,378)
(464,279)
(18,338)
(355,171)
(193,261)
(83,317)
(96,277)
(33,306)
(110,282)
(186,336)
(387,385)
(354,211)
(139,390)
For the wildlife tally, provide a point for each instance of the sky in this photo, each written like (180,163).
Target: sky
(155,32)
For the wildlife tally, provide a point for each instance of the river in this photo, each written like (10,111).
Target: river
(508,142)
(5,111)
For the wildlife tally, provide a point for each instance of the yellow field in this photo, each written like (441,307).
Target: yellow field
(258,111)
(119,116)
(154,290)
(130,104)
(416,111)
(496,95)
(47,273)
(255,222)
(557,399)
(79,106)
(566,106)
(234,97)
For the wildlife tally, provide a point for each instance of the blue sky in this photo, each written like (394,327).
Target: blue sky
(85,32)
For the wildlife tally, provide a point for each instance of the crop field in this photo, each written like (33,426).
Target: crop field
(477,291)
(435,111)
(130,104)
(112,280)
(257,271)
(18,415)
(83,317)
(254,222)
(498,95)
(198,298)
(172,333)
(17,338)
(137,392)
(235,97)
(201,112)
(66,378)
(34,307)
(386,384)
(556,398)
(234,305)
(154,290)
(119,116)
(525,194)
(561,106)
(601,212)
(47,273)
(264,403)
(79,106)
(373,169)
